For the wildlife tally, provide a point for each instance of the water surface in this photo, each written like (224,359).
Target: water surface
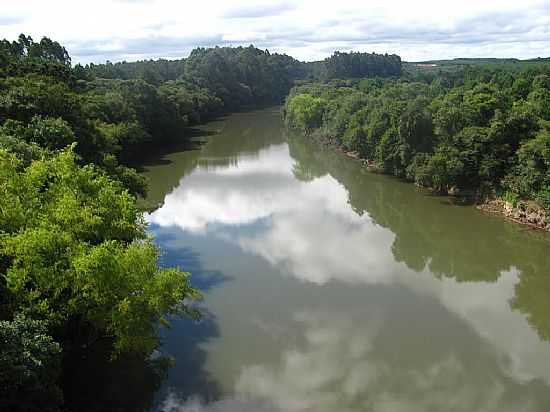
(328,288)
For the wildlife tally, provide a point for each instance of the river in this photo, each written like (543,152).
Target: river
(329,288)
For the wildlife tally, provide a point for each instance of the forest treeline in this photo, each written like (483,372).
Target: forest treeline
(238,61)
(483,131)
(77,268)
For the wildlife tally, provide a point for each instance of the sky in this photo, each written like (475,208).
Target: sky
(115,30)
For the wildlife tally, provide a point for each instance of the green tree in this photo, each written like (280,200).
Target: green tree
(78,255)
(29,366)
(305,111)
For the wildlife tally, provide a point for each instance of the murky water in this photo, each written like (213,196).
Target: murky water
(328,288)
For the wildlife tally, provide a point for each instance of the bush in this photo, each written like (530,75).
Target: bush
(29,366)
(305,112)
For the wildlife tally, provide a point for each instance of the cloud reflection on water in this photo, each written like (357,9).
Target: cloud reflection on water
(312,234)
(343,365)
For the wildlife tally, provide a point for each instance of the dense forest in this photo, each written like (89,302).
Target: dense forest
(483,131)
(77,268)
(355,65)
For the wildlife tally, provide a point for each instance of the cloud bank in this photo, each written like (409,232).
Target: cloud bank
(306,29)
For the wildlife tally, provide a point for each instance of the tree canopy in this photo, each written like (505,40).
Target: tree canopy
(484,130)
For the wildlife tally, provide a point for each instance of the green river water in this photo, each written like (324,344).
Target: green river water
(329,288)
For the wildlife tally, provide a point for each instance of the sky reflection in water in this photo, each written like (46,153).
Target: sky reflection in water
(321,309)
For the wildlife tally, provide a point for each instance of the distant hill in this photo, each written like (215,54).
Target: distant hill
(451,65)
(467,60)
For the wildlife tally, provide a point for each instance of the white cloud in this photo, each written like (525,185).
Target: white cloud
(306,29)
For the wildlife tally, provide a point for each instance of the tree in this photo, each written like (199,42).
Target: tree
(29,366)
(530,177)
(305,111)
(482,129)
(78,255)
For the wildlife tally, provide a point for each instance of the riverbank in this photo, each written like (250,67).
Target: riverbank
(526,213)
(523,213)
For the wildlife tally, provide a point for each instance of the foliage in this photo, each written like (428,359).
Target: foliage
(212,81)
(29,366)
(113,111)
(348,65)
(77,252)
(306,112)
(478,130)
(530,176)
(76,265)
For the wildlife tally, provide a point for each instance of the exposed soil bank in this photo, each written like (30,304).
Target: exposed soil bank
(523,213)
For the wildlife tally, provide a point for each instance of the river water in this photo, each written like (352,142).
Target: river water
(329,288)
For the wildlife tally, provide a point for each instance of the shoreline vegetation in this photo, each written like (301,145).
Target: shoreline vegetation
(78,270)
(480,133)
(525,213)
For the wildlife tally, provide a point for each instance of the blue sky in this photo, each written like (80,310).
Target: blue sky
(130,30)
